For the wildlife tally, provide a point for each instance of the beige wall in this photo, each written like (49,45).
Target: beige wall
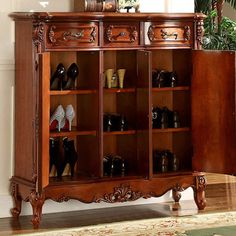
(229,12)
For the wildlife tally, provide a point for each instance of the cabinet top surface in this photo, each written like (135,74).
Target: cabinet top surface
(80,16)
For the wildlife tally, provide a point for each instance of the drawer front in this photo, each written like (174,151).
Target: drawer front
(176,34)
(71,35)
(121,35)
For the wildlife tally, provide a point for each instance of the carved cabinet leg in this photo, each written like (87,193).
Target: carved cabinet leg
(199,192)
(16,210)
(36,201)
(176,195)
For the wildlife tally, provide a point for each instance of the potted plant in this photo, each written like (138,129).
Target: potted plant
(220,31)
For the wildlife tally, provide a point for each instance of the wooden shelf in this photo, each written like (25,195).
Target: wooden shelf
(172,173)
(74,132)
(118,90)
(178,88)
(169,130)
(72,92)
(127,132)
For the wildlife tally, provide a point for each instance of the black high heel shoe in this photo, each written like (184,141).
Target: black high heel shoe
(70,154)
(56,156)
(58,76)
(72,74)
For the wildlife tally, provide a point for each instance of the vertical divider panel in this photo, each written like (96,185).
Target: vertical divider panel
(144,114)
(42,126)
(100,113)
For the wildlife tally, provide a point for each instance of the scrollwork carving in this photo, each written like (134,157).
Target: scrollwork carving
(123,193)
(187,32)
(38,33)
(72,36)
(110,37)
(62,199)
(200,33)
(16,210)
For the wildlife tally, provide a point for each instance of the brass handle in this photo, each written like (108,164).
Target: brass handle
(166,35)
(69,35)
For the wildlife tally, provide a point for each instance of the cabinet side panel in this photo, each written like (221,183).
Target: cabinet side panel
(213,111)
(24,101)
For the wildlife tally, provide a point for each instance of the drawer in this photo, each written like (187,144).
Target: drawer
(71,35)
(121,35)
(171,34)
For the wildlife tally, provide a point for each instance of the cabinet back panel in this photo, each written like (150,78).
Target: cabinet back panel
(88,63)
(162,141)
(182,147)
(181,103)
(162,60)
(182,64)
(88,112)
(88,151)
(163,99)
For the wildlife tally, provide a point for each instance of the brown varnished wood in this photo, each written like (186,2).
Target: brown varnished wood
(213,111)
(144,117)
(220,197)
(43,132)
(118,43)
(25,95)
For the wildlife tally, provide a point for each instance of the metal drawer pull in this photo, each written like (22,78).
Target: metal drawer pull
(166,35)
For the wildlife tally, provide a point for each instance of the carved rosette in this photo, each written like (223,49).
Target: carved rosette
(123,193)
(72,36)
(200,33)
(38,32)
(151,34)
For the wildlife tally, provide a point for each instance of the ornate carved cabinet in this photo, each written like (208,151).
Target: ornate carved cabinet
(138,43)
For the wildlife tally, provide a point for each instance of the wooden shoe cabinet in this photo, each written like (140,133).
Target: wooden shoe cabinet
(138,43)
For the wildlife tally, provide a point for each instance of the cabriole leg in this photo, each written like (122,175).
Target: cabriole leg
(199,192)
(36,201)
(16,210)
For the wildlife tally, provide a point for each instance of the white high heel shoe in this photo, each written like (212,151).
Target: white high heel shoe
(70,115)
(56,118)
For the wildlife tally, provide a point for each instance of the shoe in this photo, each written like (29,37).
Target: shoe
(176,120)
(72,74)
(70,115)
(70,154)
(57,157)
(54,148)
(58,77)
(57,118)
(172,79)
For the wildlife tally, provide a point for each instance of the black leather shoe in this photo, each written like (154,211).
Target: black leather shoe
(72,74)
(58,77)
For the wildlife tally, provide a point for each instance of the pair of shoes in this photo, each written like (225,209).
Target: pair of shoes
(165,118)
(114,165)
(164,161)
(61,153)
(114,122)
(164,78)
(59,81)
(61,119)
